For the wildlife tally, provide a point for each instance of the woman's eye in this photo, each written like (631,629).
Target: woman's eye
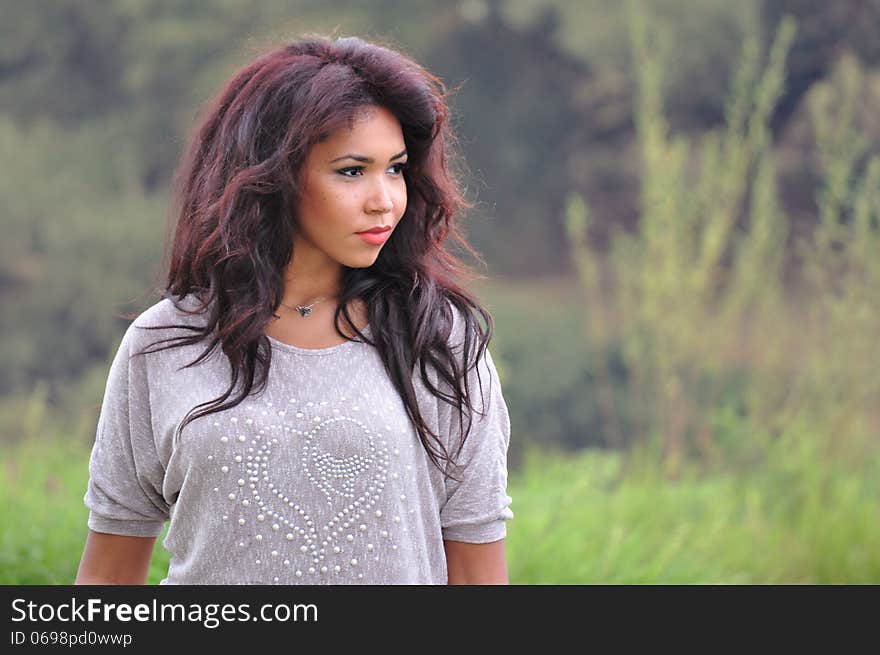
(355,171)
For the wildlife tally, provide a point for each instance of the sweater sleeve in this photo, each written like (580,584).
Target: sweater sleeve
(124,493)
(477,505)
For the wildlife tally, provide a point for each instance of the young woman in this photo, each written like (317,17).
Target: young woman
(313,400)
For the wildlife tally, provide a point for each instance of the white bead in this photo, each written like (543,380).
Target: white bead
(378,512)
(350,537)
(369,546)
(231,496)
(274,553)
(241,521)
(354,562)
(259,537)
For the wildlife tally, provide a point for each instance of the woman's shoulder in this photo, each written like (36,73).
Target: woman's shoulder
(169,317)
(171,310)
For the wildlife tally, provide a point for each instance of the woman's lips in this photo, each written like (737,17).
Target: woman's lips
(375,238)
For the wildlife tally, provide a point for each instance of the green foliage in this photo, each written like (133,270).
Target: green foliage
(43,518)
(675,311)
(696,298)
(839,383)
(549,373)
(791,519)
(41,488)
(81,241)
(794,517)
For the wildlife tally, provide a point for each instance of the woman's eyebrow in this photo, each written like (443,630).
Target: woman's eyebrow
(367,160)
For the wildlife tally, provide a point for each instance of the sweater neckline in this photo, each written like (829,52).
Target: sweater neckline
(329,350)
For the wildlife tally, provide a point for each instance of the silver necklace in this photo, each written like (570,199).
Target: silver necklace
(306,310)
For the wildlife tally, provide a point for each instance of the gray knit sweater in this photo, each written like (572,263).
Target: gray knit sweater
(321,479)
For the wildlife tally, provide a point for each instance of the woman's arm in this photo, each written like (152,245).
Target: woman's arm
(110,559)
(476,564)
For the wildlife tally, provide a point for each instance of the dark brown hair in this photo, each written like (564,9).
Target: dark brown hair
(236,193)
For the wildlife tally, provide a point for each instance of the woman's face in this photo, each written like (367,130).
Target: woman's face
(352,181)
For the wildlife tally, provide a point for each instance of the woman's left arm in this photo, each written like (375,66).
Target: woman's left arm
(476,564)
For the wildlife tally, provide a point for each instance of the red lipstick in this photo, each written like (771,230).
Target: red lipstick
(376,236)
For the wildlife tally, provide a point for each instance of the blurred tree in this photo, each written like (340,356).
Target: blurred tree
(62,59)
(517,112)
(826,33)
(824,30)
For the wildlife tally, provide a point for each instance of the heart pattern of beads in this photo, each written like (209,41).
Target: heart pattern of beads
(342,458)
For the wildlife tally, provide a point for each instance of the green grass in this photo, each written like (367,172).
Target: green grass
(793,518)
(42,515)
(787,521)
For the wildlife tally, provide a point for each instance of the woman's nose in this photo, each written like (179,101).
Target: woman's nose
(380,200)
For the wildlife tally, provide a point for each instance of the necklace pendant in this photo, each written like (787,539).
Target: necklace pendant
(304,311)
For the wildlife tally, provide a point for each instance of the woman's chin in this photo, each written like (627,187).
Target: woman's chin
(362,261)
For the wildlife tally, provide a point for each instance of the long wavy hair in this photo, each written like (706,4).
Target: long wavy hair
(235,199)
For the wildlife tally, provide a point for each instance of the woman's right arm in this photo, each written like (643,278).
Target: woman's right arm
(111,559)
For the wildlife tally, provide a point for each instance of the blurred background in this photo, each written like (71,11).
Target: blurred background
(678,202)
